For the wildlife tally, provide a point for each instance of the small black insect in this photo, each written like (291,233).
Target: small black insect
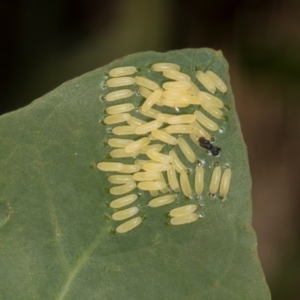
(206,144)
(215,151)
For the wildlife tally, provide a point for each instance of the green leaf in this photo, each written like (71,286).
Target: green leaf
(58,240)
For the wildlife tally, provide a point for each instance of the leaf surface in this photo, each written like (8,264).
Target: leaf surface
(57,238)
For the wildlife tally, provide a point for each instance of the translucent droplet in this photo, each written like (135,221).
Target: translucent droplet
(101,121)
(103,85)
(109,130)
(148,67)
(101,98)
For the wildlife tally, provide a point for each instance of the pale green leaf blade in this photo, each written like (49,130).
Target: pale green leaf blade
(57,239)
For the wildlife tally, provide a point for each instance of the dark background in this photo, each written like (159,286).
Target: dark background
(44,43)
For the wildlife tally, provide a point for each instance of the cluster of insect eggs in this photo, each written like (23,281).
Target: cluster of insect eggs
(181,92)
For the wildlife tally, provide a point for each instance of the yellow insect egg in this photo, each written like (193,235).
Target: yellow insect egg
(212,100)
(184,219)
(154,193)
(174,103)
(129,169)
(191,100)
(121,153)
(119,94)
(146,176)
(215,180)
(225,182)
(147,127)
(147,83)
(195,138)
(177,164)
(156,167)
(125,213)
(151,185)
(119,179)
(164,137)
(186,150)
(151,100)
(165,189)
(219,83)
(129,225)
(185,184)
(123,130)
(176,75)
(123,201)
(159,102)
(199,180)
(214,111)
(135,122)
(110,166)
(205,121)
(136,145)
(180,128)
(141,162)
(151,113)
(206,81)
(119,143)
(176,94)
(144,92)
(183,210)
(160,67)
(123,189)
(151,137)
(159,157)
(200,131)
(163,117)
(188,118)
(163,200)
(115,119)
(120,81)
(122,71)
(154,147)
(172,179)
(120,108)
(194,89)
(180,85)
